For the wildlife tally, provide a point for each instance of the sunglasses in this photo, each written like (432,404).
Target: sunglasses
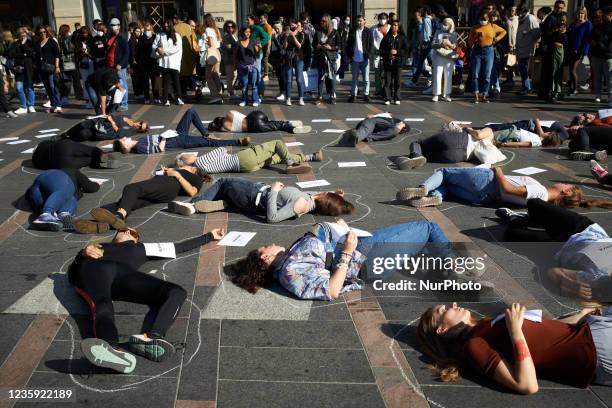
(42,32)
(130,231)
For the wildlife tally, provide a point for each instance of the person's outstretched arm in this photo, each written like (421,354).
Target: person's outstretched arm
(192,243)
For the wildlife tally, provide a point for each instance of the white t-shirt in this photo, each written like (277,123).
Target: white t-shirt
(358,53)
(527,136)
(212,34)
(534,190)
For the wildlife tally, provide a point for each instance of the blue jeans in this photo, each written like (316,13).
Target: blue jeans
(248,78)
(26,95)
(240,193)
(52,192)
(422,55)
(123,79)
(481,59)
(523,66)
(260,82)
(474,185)
(298,69)
(364,68)
(51,89)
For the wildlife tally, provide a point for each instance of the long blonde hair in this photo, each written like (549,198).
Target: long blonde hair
(576,199)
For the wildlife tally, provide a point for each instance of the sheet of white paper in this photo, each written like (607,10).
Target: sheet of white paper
(600,253)
(107,146)
(29,151)
(321,120)
(118,96)
(528,171)
(169,134)
(237,238)
(354,119)
(19,141)
(206,122)
(334,131)
(414,119)
(313,183)
(95,117)
(157,127)
(383,115)
(160,249)
(484,165)
(534,315)
(290,144)
(492,123)
(159,173)
(48,130)
(460,122)
(6,139)
(339,230)
(98,180)
(352,164)
(45,135)
(604,113)
(546,123)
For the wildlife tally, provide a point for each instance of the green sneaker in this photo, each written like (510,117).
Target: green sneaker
(152,349)
(101,354)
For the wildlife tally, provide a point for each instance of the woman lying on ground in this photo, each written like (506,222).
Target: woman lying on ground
(157,143)
(255,122)
(382,126)
(308,271)
(105,128)
(64,153)
(515,351)
(185,180)
(537,126)
(513,134)
(578,274)
(103,273)
(277,201)
(486,186)
(54,196)
(590,142)
(250,159)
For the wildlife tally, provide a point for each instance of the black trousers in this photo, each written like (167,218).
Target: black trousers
(392,83)
(68,79)
(558,223)
(171,83)
(107,281)
(445,147)
(159,189)
(62,153)
(258,122)
(592,138)
(151,81)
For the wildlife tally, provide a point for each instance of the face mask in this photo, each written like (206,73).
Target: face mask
(382,21)
(148,34)
(347,22)
(483,22)
(445,28)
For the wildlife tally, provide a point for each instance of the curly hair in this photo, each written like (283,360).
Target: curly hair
(253,273)
(333,204)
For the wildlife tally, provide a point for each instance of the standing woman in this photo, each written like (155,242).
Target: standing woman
(277,58)
(444,45)
(134,67)
(22,52)
(228,45)
(294,45)
(48,64)
(393,50)
(482,39)
(148,70)
(168,49)
(326,43)
(69,68)
(245,55)
(84,60)
(556,54)
(578,41)
(213,60)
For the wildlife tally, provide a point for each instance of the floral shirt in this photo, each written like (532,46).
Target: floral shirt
(572,254)
(303,271)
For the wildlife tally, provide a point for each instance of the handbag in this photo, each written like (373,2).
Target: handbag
(213,56)
(47,68)
(511,60)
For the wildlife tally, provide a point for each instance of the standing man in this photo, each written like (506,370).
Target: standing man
(527,36)
(358,50)
(547,28)
(378,32)
(117,57)
(424,47)
(265,66)
(601,56)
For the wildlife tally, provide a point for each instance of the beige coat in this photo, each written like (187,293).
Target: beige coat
(190,48)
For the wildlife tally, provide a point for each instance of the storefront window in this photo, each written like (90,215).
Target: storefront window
(17,13)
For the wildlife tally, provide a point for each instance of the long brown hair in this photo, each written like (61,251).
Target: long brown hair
(326,26)
(576,199)
(209,22)
(333,204)
(253,273)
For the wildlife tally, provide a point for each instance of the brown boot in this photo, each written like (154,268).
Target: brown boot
(90,227)
(105,216)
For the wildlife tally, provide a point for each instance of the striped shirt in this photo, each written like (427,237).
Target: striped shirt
(218,161)
(147,145)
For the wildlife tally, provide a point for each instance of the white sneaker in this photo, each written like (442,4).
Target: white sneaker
(11,114)
(179,101)
(255,104)
(167,103)
(47,104)
(288,102)
(397,102)
(387,102)
(31,109)
(435,98)
(597,100)
(242,104)
(296,123)
(280,97)
(301,102)
(21,111)
(179,207)
(58,110)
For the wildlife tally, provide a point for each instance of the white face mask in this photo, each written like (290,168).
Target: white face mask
(148,34)
(382,21)
(347,22)
(483,22)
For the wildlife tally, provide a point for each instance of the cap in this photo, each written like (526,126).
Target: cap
(115,21)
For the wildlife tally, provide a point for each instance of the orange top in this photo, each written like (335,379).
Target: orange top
(483,34)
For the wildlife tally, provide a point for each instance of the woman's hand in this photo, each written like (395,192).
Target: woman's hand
(93,251)
(340,192)
(277,186)
(350,244)
(218,233)
(170,172)
(514,320)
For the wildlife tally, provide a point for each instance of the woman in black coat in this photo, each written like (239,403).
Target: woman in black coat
(22,53)
(393,49)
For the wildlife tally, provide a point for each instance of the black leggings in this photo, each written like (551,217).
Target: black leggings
(445,147)
(558,223)
(171,79)
(592,138)
(150,82)
(392,83)
(65,153)
(258,122)
(159,189)
(107,281)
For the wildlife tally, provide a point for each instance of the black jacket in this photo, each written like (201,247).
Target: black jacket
(388,43)
(367,43)
(333,39)
(601,41)
(23,55)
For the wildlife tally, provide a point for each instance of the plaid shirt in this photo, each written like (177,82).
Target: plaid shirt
(570,254)
(303,271)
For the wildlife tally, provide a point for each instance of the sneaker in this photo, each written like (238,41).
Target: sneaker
(318,156)
(109,161)
(598,171)
(21,111)
(351,137)
(486,99)
(105,216)
(408,193)
(255,104)
(507,215)
(351,99)
(429,201)
(179,101)
(11,114)
(60,110)
(167,103)
(183,208)
(90,227)
(301,102)
(397,102)
(101,354)
(155,349)
(46,222)
(242,104)
(67,220)
(298,168)
(476,98)
(406,163)
(208,206)
(601,155)
(597,99)
(245,141)
(47,104)
(296,123)
(122,109)
(302,129)
(585,155)
(288,102)
(280,97)
(434,99)
(332,101)
(387,102)
(410,84)
(158,101)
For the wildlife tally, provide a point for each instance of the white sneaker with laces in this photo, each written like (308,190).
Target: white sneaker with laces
(167,103)
(47,104)
(387,102)
(435,98)
(21,111)
(288,102)
(242,104)
(301,102)
(255,104)
(179,101)
(31,109)
(397,102)
(280,97)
